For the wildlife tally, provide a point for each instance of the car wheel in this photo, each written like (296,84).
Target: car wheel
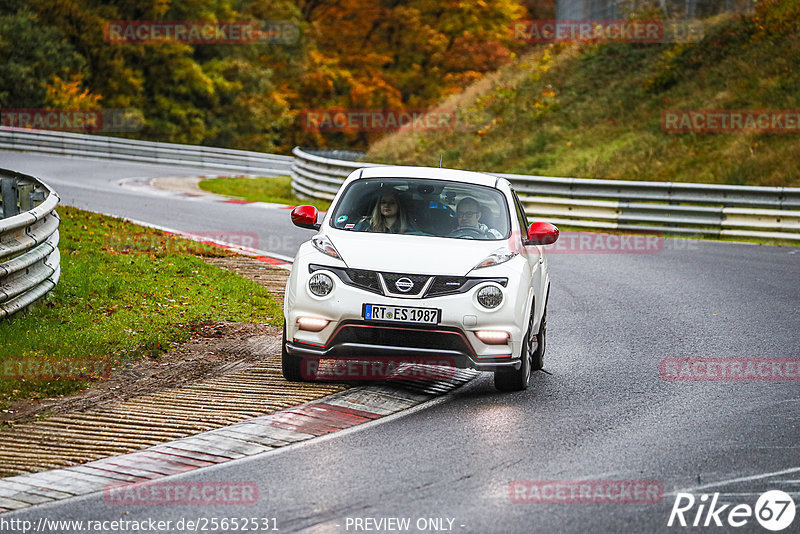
(517,379)
(290,365)
(537,361)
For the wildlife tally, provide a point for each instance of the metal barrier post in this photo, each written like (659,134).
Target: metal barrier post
(37,197)
(24,193)
(9,193)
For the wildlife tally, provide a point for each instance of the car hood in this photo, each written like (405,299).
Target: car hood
(411,253)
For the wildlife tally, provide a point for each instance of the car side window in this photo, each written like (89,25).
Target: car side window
(523,218)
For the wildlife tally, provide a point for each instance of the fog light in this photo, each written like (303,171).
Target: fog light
(490,297)
(492,337)
(312,324)
(320,284)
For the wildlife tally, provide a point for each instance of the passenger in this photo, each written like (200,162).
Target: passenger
(387,217)
(469,214)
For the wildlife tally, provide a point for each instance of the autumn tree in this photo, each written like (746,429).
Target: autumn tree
(32,53)
(347,53)
(394,54)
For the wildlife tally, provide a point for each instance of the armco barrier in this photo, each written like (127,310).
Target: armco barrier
(116,148)
(670,207)
(665,207)
(319,176)
(30,264)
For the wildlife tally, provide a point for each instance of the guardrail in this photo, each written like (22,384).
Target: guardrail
(318,176)
(116,148)
(30,264)
(661,207)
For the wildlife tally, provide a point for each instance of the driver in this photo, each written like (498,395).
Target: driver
(468,212)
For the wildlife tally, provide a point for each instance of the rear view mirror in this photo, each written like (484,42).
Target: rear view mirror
(305,217)
(542,233)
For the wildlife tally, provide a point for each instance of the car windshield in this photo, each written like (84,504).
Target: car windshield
(423,207)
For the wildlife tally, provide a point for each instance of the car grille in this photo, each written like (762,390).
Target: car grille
(441,285)
(443,339)
(446,285)
(418,282)
(365,279)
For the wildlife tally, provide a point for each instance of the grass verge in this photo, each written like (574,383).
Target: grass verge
(126,292)
(276,190)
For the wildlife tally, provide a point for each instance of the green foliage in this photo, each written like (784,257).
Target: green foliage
(778,17)
(32,54)
(222,95)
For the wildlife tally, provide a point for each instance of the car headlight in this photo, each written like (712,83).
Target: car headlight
(320,284)
(501,255)
(490,297)
(324,245)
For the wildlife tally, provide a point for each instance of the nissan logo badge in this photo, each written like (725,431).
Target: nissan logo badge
(404,284)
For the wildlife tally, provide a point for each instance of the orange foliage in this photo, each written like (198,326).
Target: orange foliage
(62,94)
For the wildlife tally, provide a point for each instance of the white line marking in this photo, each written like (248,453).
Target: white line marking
(746,493)
(734,480)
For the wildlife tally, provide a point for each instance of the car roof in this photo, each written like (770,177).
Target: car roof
(432,173)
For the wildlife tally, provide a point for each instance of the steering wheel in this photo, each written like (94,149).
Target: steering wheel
(469,232)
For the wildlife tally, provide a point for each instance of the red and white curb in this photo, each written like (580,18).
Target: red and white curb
(253,436)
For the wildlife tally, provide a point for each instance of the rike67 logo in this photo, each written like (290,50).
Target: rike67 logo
(774,510)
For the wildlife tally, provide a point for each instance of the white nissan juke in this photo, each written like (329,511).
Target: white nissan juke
(420,262)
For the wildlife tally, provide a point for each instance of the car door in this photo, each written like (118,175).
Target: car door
(535,256)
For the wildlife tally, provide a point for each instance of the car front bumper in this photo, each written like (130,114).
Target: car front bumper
(349,335)
(449,346)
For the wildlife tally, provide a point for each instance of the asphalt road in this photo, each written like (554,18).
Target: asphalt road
(603,414)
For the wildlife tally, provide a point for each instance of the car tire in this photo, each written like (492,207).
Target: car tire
(517,379)
(290,365)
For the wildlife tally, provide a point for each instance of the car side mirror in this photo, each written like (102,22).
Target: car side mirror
(305,217)
(541,233)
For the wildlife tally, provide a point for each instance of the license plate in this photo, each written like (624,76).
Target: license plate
(401,314)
